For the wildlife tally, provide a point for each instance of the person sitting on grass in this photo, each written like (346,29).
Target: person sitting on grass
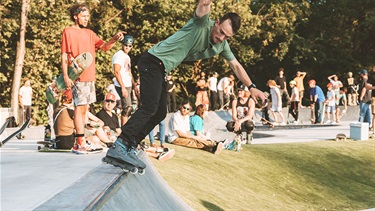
(242,114)
(197,123)
(179,132)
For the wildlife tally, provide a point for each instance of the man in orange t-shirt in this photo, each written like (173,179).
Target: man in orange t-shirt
(77,39)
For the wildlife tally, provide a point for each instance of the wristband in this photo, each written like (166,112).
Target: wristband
(251,86)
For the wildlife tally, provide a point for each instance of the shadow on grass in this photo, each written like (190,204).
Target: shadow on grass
(211,206)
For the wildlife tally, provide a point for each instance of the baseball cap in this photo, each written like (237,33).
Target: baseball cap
(363,72)
(128,40)
(68,94)
(293,82)
(329,85)
(215,73)
(243,87)
(110,96)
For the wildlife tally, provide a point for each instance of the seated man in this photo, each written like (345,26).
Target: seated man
(242,114)
(179,132)
(109,118)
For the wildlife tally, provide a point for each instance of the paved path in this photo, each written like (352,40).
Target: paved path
(64,181)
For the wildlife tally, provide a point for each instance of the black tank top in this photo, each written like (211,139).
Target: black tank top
(242,108)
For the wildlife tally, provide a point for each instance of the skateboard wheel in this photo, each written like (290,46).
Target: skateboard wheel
(134,170)
(141,171)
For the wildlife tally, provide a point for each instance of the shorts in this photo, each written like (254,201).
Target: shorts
(65,142)
(275,108)
(331,109)
(125,102)
(84,93)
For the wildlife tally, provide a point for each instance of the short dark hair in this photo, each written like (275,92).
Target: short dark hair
(235,20)
(77,8)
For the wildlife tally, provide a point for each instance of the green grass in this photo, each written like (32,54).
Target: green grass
(322,175)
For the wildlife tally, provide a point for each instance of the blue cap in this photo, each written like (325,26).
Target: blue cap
(364,72)
(128,40)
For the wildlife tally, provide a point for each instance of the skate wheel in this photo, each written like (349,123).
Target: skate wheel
(125,170)
(141,171)
(134,170)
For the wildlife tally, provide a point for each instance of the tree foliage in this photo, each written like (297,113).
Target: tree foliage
(318,36)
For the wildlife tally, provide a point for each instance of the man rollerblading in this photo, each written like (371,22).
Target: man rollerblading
(124,157)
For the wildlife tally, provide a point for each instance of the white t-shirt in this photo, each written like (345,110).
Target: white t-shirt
(296,95)
(275,100)
(336,85)
(178,122)
(224,82)
(26,93)
(212,83)
(123,60)
(331,98)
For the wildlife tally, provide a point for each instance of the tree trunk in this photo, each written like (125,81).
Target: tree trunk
(20,56)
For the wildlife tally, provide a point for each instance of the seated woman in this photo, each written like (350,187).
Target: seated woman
(242,114)
(197,123)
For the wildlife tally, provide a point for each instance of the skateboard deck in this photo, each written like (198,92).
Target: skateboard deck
(54,150)
(5,125)
(266,122)
(23,127)
(79,64)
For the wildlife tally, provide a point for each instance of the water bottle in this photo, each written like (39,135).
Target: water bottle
(47,133)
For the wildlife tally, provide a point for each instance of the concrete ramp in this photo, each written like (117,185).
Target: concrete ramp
(109,188)
(147,192)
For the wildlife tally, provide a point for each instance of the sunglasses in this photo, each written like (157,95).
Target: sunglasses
(110,101)
(186,108)
(130,46)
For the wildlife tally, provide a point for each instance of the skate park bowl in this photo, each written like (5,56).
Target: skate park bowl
(109,188)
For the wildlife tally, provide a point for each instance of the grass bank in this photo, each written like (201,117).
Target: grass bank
(322,175)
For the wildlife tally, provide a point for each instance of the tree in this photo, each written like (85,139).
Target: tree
(19,59)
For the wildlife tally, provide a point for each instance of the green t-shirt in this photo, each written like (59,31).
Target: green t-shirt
(190,43)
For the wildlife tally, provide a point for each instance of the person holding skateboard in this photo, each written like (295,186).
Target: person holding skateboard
(77,39)
(200,38)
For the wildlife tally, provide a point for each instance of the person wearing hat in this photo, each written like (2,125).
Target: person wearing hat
(364,99)
(242,114)
(201,38)
(124,81)
(294,101)
(64,122)
(212,85)
(77,39)
(107,115)
(317,99)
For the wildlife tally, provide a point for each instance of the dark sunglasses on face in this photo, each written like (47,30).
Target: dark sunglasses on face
(186,108)
(110,101)
(130,46)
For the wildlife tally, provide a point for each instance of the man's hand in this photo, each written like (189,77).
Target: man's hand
(237,126)
(256,94)
(68,82)
(119,36)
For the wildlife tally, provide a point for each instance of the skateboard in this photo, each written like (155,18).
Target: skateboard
(5,125)
(16,133)
(266,122)
(49,146)
(341,137)
(79,64)
(160,153)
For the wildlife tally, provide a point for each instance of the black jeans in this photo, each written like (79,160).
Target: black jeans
(153,107)
(213,100)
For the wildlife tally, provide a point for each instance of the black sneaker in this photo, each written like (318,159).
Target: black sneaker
(218,148)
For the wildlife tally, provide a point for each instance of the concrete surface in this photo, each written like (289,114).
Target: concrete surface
(65,181)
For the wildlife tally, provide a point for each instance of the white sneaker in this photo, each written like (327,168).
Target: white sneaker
(283,123)
(333,123)
(328,122)
(295,122)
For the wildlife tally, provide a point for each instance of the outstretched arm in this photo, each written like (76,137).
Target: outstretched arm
(108,45)
(203,8)
(241,74)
